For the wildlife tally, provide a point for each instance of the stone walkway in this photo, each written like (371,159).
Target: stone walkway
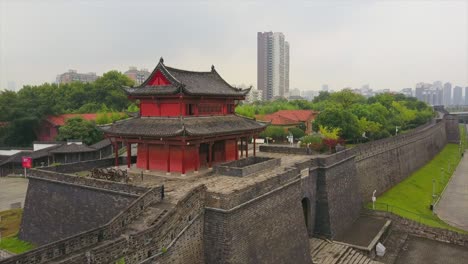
(12,190)
(453,205)
(327,252)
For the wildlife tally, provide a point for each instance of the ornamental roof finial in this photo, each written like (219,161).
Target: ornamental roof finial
(212,68)
(161,60)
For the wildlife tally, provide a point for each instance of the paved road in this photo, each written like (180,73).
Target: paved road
(453,206)
(425,251)
(12,190)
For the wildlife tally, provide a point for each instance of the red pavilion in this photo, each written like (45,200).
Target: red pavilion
(186,121)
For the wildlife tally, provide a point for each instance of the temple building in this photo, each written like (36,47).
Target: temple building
(186,122)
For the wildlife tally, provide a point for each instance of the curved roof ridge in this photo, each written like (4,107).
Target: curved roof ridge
(169,68)
(164,71)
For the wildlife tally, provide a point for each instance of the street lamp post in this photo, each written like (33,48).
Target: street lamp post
(433,194)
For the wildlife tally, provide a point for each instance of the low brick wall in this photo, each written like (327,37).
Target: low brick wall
(86,165)
(237,197)
(284,149)
(86,182)
(420,230)
(247,166)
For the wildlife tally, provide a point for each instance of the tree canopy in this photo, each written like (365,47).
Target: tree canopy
(79,128)
(24,110)
(357,118)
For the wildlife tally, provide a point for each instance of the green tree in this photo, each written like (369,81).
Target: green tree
(346,98)
(275,132)
(296,132)
(322,96)
(108,89)
(338,118)
(366,126)
(79,128)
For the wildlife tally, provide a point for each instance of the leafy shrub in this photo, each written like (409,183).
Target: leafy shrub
(275,132)
(296,132)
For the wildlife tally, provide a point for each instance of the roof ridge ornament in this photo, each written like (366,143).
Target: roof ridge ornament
(212,68)
(161,60)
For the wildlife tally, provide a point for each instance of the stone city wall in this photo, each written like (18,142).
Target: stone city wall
(338,199)
(451,126)
(384,163)
(89,238)
(268,229)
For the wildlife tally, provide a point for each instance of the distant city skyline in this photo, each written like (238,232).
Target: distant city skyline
(388,44)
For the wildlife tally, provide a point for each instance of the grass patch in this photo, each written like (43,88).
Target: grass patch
(9,227)
(10,221)
(83,173)
(412,197)
(15,245)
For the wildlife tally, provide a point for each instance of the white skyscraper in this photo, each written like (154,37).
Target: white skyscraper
(272,64)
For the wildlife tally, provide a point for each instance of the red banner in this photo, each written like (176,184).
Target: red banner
(27,162)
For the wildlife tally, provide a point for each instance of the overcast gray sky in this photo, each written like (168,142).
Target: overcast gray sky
(388,44)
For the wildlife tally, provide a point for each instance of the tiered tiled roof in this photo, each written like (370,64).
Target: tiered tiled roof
(180,126)
(189,82)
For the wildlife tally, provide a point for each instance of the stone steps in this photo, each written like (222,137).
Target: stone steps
(326,252)
(150,217)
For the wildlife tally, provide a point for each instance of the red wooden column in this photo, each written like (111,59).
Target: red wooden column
(210,151)
(168,155)
(147,155)
(129,155)
(116,151)
(237,149)
(255,144)
(197,158)
(246,147)
(183,160)
(242,148)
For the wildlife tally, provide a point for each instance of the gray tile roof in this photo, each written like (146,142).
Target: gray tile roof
(180,126)
(16,158)
(44,152)
(152,90)
(189,82)
(101,144)
(72,148)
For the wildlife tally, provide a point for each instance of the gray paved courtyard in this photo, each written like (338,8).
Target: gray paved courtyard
(424,251)
(12,190)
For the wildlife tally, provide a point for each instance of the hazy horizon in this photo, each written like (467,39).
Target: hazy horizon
(386,44)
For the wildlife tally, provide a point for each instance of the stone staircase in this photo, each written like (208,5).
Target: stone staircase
(326,252)
(149,218)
